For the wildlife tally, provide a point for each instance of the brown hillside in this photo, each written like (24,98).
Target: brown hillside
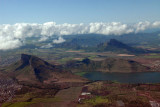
(33,70)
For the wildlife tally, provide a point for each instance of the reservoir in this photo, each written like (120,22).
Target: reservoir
(143,77)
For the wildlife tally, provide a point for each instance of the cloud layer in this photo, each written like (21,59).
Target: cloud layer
(14,36)
(59,40)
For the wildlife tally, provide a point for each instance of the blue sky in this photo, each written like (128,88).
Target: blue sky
(78,11)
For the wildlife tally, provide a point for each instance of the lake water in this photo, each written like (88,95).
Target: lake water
(144,77)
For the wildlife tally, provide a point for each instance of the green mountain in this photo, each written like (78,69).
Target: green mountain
(131,39)
(71,44)
(117,46)
(107,65)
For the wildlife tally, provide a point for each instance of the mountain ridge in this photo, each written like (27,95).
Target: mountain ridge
(117,46)
(107,65)
(33,70)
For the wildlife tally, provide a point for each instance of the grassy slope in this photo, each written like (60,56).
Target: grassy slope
(106,94)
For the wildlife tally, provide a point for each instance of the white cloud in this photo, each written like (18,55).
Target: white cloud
(59,40)
(156,24)
(9,43)
(114,28)
(47,46)
(43,38)
(14,36)
(141,26)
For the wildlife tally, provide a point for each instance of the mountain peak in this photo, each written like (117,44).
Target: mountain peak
(33,60)
(117,46)
(25,58)
(116,43)
(33,70)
